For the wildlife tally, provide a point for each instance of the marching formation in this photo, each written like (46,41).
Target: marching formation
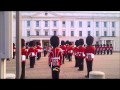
(58,52)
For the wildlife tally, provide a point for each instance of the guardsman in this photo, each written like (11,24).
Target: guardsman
(67,46)
(81,55)
(39,50)
(89,52)
(23,58)
(63,47)
(75,51)
(70,51)
(14,50)
(101,49)
(32,54)
(111,49)
(27,47)
(108,49)
(104,49)
(55,57)
(95,49)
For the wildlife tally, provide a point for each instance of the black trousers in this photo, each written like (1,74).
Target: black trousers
(32,62)
(23,71)
(63,58)
(89,66)
(45,53)
(70,57)
(98,52)
(107,52)
(38,55)
(110,51)
(81,63)
(55,74)
(76,62)
(104,52)
(14,55)
(101,52)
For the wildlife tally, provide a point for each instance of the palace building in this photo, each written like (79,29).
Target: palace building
(104,26)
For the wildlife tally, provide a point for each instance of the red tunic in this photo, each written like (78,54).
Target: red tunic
(39,48)
(23,54)
(111,47)
(32,52)
(81,52)
(14,49)
(75,51)
(70,50)
(63,47)
(55,57)
(89,52)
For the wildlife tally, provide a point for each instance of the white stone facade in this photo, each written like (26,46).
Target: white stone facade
(110,19)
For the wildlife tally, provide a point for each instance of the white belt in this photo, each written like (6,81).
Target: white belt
(32,54)
(55,58)
(14,50)
(81,53)
(23,57)
(91,54)
(39,50)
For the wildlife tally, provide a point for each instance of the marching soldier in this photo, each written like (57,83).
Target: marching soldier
(89,52)
(39,50)
(55,57)
(76,53)
(63,47)
(108,49)
(111,48)
(14,50)
(32,54)
(23,54)
(81,55)
(70,51)
(67,46)
(104,49)
(101,49)
(27,47)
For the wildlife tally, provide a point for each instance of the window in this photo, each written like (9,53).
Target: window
(37,33)
(88,24)
(63,33)
(105,24)
(89,33)
(72,23)
(46,33)
(113,33)
(28,23)
(46,23)
(113,24)
(55,33)
(28,33)
(54,23)
(105,33)
(80,24)
(80,33)
(72,33)
(97,24)
(97,33)
(37,23)
(63,23)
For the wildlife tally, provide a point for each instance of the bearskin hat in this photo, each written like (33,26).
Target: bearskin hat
(67,42)
(103,44)
(110,44)
(62,42)
(81,41)
(77,42)
(89,40)
(38,43)
(32,43)
(70,43)
(54,41)
(22,42)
